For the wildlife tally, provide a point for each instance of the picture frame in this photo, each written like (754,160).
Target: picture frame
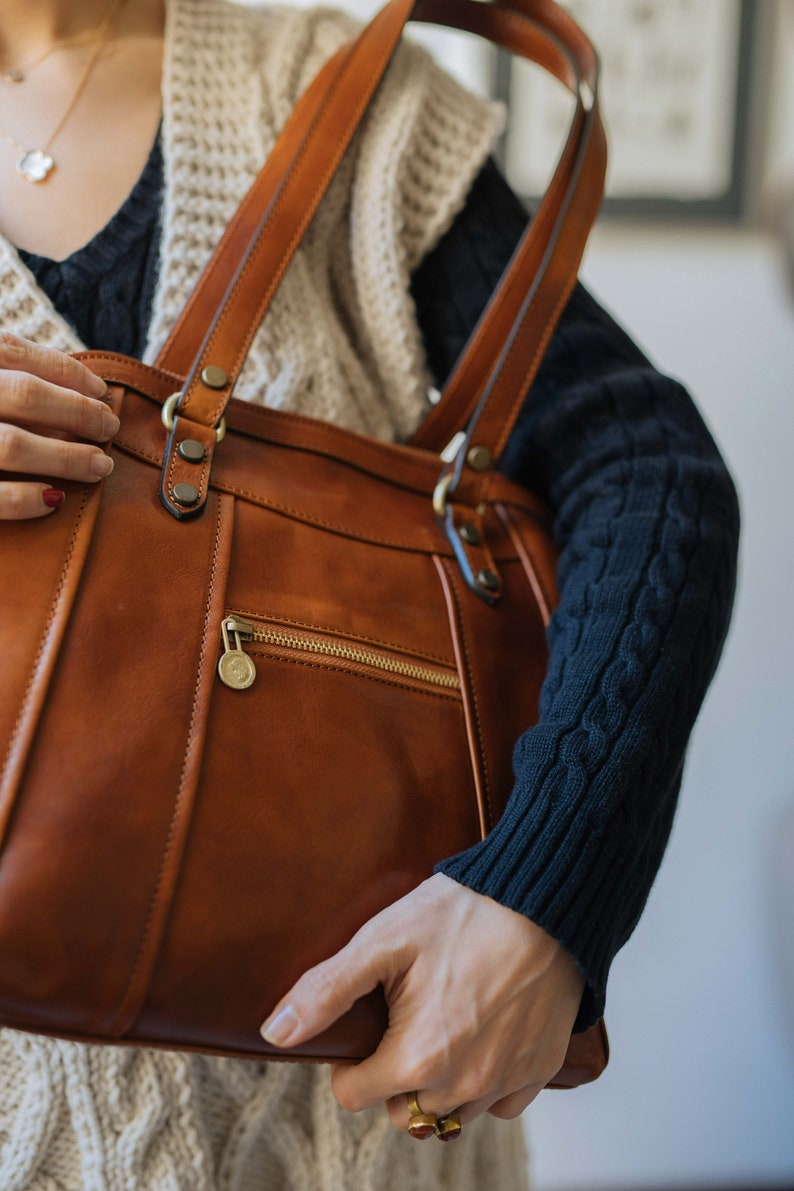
(676,99)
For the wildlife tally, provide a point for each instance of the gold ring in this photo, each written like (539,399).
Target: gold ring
(449,1128)
(421,1124)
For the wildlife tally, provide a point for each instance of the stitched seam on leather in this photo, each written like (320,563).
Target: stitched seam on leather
(265,502)
(297,236)
(347,531)
(204,280)
(462,382)
(206,466)
(343,634)
(515,406)
(514,534)
(130,991)
(449,568)
(251,200)
(137,452)
(278,444)
(339,432)
(473,349)
(42,643)
(414,690)
(134,365)
(512,19)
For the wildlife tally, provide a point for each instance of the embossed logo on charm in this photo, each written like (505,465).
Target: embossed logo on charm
(236,670)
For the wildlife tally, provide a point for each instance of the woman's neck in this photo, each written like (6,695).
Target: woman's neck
(30,27)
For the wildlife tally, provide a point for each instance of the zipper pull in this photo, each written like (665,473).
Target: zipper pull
(235,668)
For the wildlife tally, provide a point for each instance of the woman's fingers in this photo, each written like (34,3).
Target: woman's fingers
(512,1106)
(47,399)
(400,1113)
(21,355)
(31,401)
(22,501)
(23,451)
(506,1108)
(324,993)
(481,1005)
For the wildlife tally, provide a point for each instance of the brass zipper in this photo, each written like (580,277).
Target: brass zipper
(237,670)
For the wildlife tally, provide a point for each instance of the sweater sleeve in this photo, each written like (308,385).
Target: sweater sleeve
(646,520)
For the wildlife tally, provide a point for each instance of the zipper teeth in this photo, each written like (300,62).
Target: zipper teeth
(353,654)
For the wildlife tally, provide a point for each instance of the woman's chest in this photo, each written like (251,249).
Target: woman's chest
(96,156)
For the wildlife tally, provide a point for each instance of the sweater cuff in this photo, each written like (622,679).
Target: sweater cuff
(565,865)
(475,869)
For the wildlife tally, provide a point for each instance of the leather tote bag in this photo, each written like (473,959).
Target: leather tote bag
(258,682)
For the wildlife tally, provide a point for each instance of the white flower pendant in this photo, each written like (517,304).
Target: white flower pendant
(35,165)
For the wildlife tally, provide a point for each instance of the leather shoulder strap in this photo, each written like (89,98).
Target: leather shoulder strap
(212,337)
(281,204)
(507,344)
(180,349)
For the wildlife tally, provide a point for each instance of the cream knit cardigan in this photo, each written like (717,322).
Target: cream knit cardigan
(340,343)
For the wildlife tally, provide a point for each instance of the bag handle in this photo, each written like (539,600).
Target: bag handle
(184,342)
(296,176)
(568,209)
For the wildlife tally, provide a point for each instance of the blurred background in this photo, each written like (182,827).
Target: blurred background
(695,255)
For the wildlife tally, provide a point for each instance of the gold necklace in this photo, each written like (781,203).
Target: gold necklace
(36,164)
(18,74)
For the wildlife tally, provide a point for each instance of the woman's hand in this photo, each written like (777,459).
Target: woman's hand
(47,400)
(481,1005)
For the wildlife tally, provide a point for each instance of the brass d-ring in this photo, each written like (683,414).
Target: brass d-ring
(441,493)
(167,414)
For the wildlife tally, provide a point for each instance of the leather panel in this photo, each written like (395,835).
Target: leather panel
(71,931)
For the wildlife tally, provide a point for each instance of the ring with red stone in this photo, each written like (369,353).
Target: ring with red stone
(449,1128)
(421,1124)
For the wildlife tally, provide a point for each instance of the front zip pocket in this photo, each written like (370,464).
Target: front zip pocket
(237,670)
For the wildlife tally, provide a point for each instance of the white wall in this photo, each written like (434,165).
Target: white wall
(700,1090)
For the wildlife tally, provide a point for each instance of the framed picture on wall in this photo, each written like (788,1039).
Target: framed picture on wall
(675,96)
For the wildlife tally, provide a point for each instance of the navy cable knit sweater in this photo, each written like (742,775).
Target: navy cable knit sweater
(646,518)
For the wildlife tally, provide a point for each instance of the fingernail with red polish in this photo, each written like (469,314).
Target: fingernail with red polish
(53,497)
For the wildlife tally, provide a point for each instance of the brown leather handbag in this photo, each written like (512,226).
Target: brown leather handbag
(261,680)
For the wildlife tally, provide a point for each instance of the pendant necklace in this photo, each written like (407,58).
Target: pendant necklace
(18,74)
(36,164)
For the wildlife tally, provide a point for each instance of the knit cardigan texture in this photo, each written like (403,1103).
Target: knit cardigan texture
(646,518)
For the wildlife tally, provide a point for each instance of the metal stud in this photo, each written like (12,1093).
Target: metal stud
(191,450)
(470,534)
(479,458)
(214,377)
(186,494)
(488,580)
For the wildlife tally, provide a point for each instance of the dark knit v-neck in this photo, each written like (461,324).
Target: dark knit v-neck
(105,289)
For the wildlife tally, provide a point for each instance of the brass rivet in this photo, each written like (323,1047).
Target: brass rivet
(214,377)
(192,450)
(470,534)
(186,494)
(479,458)
(488,580)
